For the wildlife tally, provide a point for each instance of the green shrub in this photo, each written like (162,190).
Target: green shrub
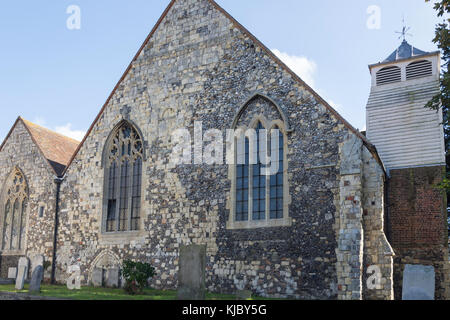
(136,275)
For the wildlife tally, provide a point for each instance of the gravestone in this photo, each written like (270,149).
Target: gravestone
(112,278)
(191,275)
(243,294)
(97,277)
(22,271)
(12,273)
(36,279)
(418,282)
(36,260)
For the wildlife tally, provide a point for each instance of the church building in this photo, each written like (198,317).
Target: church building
(342,217)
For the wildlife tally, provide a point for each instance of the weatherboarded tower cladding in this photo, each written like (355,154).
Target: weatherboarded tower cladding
(410,141)
(198,64)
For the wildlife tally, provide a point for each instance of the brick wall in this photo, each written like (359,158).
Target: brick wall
(417,223)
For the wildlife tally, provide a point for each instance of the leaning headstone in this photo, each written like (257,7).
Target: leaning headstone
(22,271)
(12,273)
(243,294)
(36,260)
(418,282)
(112,278)
(36,279)
(97,277)
(191,275)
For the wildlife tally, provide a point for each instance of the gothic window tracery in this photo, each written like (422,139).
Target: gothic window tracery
(14,213)
(124,180)
(259,197)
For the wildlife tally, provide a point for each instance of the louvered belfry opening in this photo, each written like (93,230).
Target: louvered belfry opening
(419,69)
(389,75)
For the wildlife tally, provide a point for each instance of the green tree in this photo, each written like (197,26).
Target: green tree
(442,100)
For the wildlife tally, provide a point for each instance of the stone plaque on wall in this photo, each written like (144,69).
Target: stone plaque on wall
(418,282)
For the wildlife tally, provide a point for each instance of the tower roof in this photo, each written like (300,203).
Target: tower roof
(405,51)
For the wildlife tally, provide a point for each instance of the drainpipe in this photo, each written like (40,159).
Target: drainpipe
(387,209)
(58,182)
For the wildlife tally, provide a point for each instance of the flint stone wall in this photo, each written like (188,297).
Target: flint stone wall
(20,151)
(199,67)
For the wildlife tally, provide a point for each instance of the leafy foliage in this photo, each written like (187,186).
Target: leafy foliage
(136,275)
(442,100)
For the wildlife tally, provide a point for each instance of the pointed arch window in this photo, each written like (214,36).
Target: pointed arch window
(123,180)
(260,199)
(14,213)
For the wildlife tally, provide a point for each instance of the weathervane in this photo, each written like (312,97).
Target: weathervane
(404,31)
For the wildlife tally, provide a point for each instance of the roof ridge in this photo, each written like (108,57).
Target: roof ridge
(27,122)
(366,142)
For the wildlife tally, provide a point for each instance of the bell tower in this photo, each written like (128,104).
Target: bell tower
(410,142)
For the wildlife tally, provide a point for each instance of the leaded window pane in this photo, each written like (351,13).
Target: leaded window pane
(22,224)
(136,194)
(6,225)
(15,225)
(259,181)
(112,201)
(123,206)
(124,180)
(277,183)
(15,212)
(242,186)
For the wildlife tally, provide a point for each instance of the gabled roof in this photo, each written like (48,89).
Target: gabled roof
(405,51)
(56,148)
(366,142)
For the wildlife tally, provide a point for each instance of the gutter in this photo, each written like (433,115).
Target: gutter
(58,182)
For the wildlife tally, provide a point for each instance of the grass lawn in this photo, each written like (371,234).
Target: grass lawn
(91,293)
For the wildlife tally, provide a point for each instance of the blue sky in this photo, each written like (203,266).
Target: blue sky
(60,78)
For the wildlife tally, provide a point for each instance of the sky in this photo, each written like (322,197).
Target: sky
(59,76)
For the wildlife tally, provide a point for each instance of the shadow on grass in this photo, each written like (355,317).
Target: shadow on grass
(91,293)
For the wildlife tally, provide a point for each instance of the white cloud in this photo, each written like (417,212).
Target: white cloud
(302,66)
(65,130)
(306,69)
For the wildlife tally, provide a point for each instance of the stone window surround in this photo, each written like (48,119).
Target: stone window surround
(286,221)
(3,199)
(120,237)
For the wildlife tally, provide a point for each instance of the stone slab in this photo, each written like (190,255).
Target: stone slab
(112,278)
(12,273)
(36,260)
(97,277)
(418,282)
(22,271)
(191,275)
(243,294)
(36,279)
